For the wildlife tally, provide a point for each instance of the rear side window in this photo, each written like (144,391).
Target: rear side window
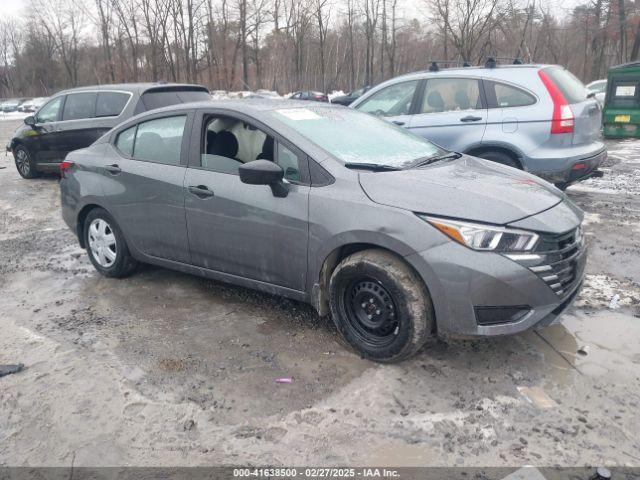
(501,95)
(451,94)
(125,140)
(163,98)
(111,104)
(79,106)
(572,88)
(158,141)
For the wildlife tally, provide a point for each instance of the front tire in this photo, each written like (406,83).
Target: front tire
(380,306)
(106,246)
(24,163)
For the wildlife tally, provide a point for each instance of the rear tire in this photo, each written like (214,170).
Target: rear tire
(380,306)
(501,158)
(106,245)
(24,163)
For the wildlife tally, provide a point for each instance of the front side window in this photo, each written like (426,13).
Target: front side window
(158,141)
(79,106)
(354,137)
(289,162)
(509,96)
(51,111)
(391,101)
(229,142)
(111,104)
(451,94)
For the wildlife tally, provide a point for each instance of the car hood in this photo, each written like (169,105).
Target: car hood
(466,188)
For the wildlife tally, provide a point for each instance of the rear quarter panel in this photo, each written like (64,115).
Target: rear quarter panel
(82,184)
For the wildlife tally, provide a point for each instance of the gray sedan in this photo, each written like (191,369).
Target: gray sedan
(395,238)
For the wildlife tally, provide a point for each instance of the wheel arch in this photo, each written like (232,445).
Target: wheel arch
(82,216)
(504,149)
(320,287)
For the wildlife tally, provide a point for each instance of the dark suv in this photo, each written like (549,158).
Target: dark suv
(74,119)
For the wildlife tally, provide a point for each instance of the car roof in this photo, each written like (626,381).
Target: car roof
(477,71)
(254,106)
(133,87)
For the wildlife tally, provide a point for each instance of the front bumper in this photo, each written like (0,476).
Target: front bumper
(460,280)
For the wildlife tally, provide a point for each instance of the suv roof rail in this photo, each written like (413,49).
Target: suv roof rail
(435,64)
(492,62)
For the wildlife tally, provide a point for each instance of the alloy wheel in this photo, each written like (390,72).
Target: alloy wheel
(22,162)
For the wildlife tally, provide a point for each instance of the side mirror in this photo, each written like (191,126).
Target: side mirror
(264,172)
(30,120)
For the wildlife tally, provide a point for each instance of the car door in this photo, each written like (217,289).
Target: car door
(42,142)
(393,103)
(451,112)
(240,229)
(144,176)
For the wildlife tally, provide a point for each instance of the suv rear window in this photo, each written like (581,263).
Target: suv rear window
(165,97)
(572,88)
(624,92)
(501,95)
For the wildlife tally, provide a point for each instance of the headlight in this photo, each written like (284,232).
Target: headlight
(485,237)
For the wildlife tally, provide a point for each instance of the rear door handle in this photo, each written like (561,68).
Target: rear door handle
(470,118)
(200,191)
(113,169)
(398,122)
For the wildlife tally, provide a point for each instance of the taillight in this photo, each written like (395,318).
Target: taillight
(563,119)
(64,166)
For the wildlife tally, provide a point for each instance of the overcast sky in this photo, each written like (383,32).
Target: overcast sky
(559,7)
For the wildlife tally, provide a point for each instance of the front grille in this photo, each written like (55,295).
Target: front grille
(557,260)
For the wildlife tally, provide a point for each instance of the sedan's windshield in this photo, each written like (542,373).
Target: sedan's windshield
(358,138)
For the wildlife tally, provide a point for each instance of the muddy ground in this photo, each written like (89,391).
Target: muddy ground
(168,369)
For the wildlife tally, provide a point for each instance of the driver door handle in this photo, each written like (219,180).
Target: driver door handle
(470,118)
(113,169)
(200,191)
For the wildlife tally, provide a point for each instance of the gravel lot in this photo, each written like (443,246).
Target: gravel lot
(168,369)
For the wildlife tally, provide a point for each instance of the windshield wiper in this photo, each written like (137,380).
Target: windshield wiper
(374,167)
(426,161)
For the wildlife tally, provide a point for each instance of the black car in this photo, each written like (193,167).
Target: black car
(310,95)
(350,97)
(76,118)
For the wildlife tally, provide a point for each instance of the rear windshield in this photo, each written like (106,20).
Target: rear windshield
(572,88)
(356,137)
(164,98)
(624,91)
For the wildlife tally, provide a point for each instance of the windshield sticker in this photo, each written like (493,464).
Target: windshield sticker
(299,114)
(626,91)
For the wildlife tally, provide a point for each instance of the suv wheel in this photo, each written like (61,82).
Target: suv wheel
(106,245)
(24,164)
(380,306)
(500,157)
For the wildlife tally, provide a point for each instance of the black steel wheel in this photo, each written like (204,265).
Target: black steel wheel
(371,312)
(380,306)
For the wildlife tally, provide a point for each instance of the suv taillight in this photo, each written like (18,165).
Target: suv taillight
(563,120)
(64,166)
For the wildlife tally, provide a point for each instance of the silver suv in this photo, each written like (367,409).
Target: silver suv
(533,117)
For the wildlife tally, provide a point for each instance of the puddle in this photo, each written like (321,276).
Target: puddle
(611,338)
